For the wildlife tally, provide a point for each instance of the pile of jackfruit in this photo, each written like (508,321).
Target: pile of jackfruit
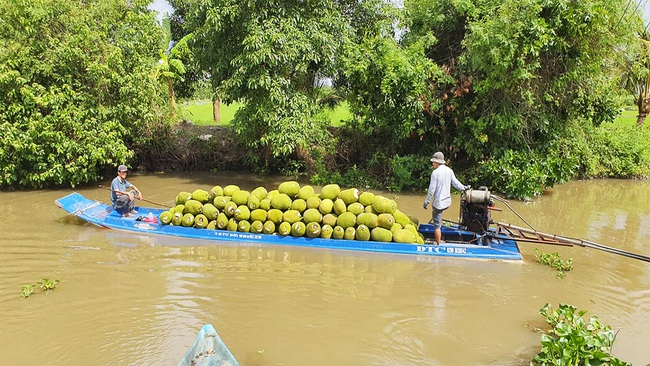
(295,210)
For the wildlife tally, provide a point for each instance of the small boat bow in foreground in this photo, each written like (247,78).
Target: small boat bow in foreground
(208,350)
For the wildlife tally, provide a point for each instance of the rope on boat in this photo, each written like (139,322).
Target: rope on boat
(505,202)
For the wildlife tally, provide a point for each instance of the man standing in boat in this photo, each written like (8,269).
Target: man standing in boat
(442,178)
(124,200)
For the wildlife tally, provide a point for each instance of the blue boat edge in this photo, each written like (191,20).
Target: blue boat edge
(497,247)
(208,350)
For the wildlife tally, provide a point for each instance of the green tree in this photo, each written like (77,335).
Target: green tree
(270,56)
(75,88)
(170,67)
(522,71)
(635,75)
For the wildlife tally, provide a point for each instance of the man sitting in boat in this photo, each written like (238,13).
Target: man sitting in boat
(442,178)
(122,199)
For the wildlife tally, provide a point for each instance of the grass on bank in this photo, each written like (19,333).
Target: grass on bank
(199,112)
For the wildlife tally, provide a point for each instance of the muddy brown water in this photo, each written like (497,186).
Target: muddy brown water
(140,300)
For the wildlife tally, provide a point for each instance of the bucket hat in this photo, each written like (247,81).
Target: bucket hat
(122,168)
(438,158)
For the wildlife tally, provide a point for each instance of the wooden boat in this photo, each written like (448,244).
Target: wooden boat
(208,350)
(457,242)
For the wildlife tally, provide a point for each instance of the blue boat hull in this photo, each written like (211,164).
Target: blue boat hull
(458,243)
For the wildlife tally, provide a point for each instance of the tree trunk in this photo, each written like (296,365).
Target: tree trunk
(643,105)
(216,110)
(172,102)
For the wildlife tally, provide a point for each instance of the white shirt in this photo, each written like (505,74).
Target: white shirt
(442,178)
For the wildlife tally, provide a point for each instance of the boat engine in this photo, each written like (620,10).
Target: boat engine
(474,211)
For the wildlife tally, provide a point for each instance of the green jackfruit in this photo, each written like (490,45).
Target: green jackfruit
(272,193)
(299,205)
(177,219)
(401,218)
(326,206)
(281,201)
(306,192)
(232,225)
(298,228)
(193,206)
(346,220)
(362,233)
(419,239)
(368,219)
(258,215)
(412,229)
(220,201)
(312,215)
(326,232)
(274,215)
(212,225)
(243,226)
(367,198)
(259,192)
(330,219)
(182,197)
(312,229)
(385,220)
(200,195)
(200,221)
(349,195)
(242,212)
(384,205)
(216,191)
(265,204)
(253,202)
(356,208)
(257,227)
(403,236)
(338,232)
(350,233)
(240,197)
(269,227)
(330,191)
(230,208)
(290,188)
(210,211)
(414,220)
(340,206)
(284,228)
(370,209)
(230,189)
(396,226)
(165,217)
(179,208)
(313,202)
(187,220)
(291,216)
(381,234)
(222,221)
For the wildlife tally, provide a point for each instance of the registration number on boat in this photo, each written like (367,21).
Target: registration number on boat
(438,249)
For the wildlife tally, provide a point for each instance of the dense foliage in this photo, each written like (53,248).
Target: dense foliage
(519,95)
(272,57)
(523,71)
(75,88)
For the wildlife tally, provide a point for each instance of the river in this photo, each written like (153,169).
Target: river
(129,299)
